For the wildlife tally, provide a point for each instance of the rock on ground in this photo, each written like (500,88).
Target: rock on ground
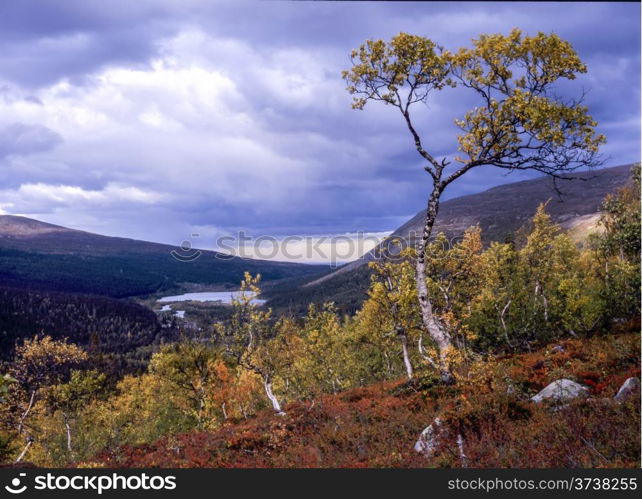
(561,390)
(427,442)
(629,388)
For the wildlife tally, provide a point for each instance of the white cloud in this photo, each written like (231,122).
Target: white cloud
(182,130)
(42,195)
(333,249)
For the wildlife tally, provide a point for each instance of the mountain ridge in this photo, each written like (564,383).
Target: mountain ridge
(500,211)
(20,226)
(46,256)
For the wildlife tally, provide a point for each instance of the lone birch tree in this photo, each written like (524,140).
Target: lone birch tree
(518,124)
(251,340)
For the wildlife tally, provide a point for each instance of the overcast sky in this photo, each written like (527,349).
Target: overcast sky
(158,119)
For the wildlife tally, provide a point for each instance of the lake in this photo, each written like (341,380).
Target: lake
(222,296)
(178,313)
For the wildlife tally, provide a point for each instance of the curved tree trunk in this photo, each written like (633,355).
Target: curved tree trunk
(267,383)
(24,450)
(32,398)
(431,325)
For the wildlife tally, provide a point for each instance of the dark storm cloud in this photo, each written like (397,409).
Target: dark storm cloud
(225,115)
(46,41)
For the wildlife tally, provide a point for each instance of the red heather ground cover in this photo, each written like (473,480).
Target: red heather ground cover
(377,426)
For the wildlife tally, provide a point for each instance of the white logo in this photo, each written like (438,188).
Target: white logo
(15,488)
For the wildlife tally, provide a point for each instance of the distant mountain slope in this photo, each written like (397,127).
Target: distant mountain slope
(14,227)
(503,209)
(500,212)
(45,256)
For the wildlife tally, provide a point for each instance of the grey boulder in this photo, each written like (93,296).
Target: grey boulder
(629,388)
(427,442)
(561,390)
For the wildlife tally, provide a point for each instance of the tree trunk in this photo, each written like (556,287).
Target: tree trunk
(463,459)
(68,428)
(406,356)
(32,398)
(431,325)
(24,451)
(201,406)
(267,383)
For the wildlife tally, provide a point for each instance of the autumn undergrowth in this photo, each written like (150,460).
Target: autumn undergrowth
(377,425)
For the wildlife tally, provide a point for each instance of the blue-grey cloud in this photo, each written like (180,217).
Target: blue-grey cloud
(220,116)
(21,139)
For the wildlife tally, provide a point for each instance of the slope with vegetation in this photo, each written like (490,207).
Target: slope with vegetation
(121,331)
(377,425)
